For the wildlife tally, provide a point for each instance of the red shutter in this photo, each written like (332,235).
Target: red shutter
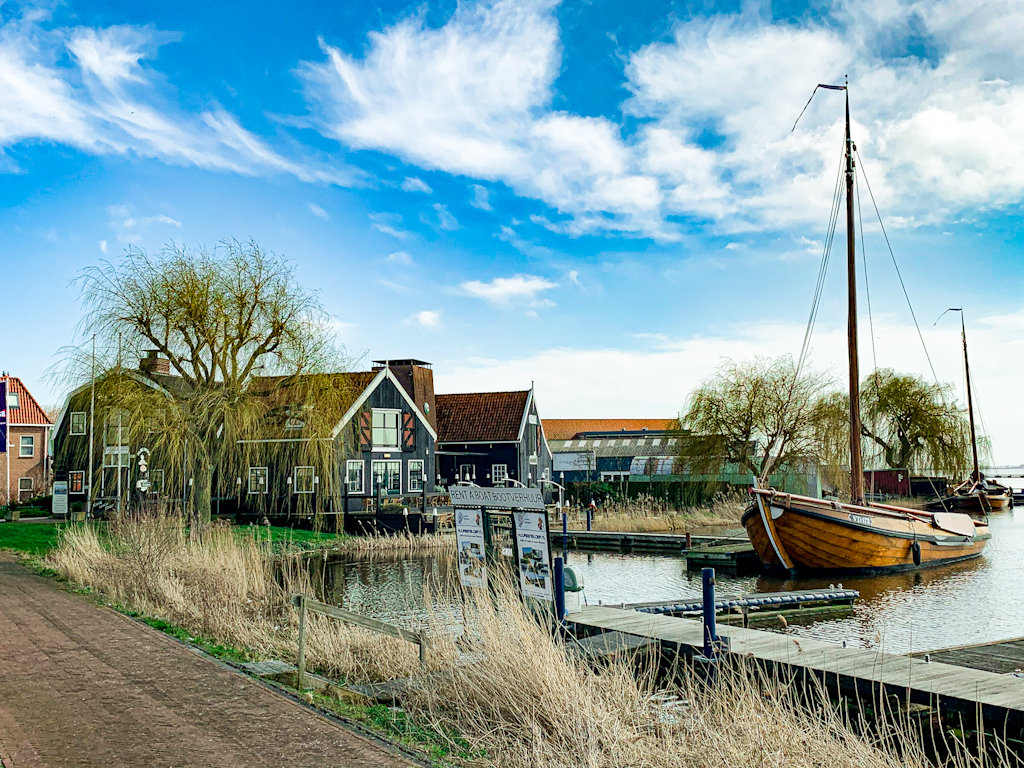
(365,431)
(408,432)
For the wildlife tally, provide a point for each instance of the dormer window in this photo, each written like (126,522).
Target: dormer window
(385,428)
(12,399)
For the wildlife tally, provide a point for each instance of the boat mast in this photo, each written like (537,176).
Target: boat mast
(970,403)
(856,463)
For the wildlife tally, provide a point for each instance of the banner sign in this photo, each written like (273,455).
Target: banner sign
(3,417)
(469,536)
(496,498)
(60,498)
(534,560)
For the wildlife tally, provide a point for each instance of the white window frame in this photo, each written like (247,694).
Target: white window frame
(85,423)
(123,454)
(21,489)
(312,479)
(349,466)
(31,446)
(423,479)
(71,482)
(12,400)
(383,412)
(387,476)
(494,473)
(255,472)
(461,477)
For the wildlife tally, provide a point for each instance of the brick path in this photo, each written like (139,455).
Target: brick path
(81,685)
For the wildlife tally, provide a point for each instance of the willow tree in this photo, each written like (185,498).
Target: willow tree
(757,414)
(247,350)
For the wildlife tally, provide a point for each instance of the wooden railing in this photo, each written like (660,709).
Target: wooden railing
(305,604)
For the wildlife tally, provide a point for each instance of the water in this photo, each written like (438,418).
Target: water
(972,602)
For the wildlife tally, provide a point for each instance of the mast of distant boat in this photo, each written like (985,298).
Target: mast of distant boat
(970,403)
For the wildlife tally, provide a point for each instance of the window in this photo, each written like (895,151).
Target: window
(387,475)
(303,482)
(257,479)
(354,476)
(12,399)
(499,473)
(116,432)
(115,454)
(465,473)
(76,482)
(385,428)
(156,480)
(24,487)
(78,423)
(28,446)
(415,475)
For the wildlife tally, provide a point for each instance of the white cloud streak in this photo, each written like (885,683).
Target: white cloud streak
(319,212)
(505,291)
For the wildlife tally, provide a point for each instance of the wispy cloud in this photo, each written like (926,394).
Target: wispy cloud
(103,246)
(316,210)
(412,184)
(505,291)
(388,224)
(428,318)
(481,196)
(400,257)
(444,218)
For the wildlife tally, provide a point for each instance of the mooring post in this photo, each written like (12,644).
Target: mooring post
(710,633)
(301,663)
(689,541)
(590,518)
(565,533)
(423,651)
(559,574)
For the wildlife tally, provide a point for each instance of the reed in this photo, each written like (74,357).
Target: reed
(646,514)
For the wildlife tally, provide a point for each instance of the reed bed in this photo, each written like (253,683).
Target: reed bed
(516,696)
(650,515)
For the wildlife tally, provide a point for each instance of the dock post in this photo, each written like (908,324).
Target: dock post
(301,662)
(689,541)
(590,518)
(565,534)
(559,585)
(710,632)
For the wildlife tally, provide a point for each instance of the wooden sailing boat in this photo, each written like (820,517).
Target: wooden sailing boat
(976,496)
(801,534)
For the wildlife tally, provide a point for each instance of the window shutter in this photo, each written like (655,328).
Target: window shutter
(365,431)
(408,432)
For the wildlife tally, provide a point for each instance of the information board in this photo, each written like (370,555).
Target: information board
(533,555)
(60,498)
(469,536)
(496,498)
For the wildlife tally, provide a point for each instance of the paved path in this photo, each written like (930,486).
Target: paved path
(81,685)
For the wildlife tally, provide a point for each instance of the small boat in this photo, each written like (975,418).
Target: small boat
(802,534)
(976,496)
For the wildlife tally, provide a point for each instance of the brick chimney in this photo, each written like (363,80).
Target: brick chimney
(153,363)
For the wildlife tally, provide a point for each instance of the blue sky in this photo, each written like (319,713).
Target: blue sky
(603,198)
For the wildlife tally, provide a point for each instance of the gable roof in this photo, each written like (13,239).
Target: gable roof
(373,380)
(28,412)
(480,417)
(566,429)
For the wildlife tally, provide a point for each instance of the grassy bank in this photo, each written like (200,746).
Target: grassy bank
(650,515)
(31,538)
(504,693)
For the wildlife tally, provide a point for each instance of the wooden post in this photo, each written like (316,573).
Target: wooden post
(301,664)
(710,631)
(423,652)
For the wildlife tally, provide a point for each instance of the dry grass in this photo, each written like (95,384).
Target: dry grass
(648,515)
(399,544)
(505,687)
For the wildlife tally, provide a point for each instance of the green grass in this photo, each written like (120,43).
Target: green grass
(31,538)
(296,537)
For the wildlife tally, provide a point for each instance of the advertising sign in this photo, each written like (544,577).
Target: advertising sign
(60,498)
(3,417)
(496,498)
(534,561)
(469,537)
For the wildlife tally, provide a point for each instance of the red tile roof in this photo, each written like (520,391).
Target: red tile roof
(28,411)
(480,416)
(567,429)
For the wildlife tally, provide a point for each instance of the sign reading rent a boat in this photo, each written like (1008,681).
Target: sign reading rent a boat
(496,498)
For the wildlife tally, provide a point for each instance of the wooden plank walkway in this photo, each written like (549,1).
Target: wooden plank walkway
(868,672)
(659,543)
(1003,657)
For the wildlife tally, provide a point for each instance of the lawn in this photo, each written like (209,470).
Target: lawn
(297,537)
(33,538)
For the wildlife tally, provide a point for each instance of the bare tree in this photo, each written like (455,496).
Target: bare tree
(246,347)
(758,414)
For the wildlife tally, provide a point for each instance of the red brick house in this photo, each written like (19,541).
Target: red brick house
(25,465)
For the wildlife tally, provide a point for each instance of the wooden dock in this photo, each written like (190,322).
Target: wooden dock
(1005,657)
(868,673)
(732,556)
(643,543)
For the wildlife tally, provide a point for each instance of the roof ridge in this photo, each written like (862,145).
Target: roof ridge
(42,411)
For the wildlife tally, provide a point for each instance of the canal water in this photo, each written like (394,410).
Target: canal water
(977,601)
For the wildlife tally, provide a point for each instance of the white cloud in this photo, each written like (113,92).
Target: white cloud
(400,257)
(673,368)
(415,185)
(316,210)
(445,219)
(388,224)
(504,291)
(103,246)
(428,318)
(480,197)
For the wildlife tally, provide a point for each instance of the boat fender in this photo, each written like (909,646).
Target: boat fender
(915,550)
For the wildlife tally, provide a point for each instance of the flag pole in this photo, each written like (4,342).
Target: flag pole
(92,423)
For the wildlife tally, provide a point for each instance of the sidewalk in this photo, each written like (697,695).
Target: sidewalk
(81,685)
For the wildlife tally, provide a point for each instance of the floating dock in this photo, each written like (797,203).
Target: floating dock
(644,543)
(1005,657)
(762,608)
(732,556)
(859,671)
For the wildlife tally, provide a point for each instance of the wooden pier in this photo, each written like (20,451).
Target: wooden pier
(866,673)
(732,556)
(643,543)
(1005,657)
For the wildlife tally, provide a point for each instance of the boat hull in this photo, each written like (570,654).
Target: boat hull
(816,536)
(973,504)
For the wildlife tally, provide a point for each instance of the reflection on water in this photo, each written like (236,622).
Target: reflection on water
(971,602)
